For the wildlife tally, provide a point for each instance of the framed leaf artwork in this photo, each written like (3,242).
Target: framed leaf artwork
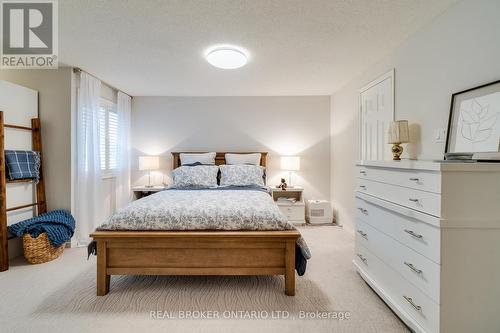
(474,125)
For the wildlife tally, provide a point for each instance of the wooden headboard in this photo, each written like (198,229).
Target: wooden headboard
(219,157)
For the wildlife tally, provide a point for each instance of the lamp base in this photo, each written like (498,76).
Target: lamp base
(149,180)
(397,150)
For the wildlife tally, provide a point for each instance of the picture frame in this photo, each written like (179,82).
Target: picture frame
(474,123)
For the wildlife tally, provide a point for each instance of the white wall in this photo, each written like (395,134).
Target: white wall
(459,50)
(54,87)
(54,110)
(278,125)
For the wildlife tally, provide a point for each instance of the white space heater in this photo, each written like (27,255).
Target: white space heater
(319,211)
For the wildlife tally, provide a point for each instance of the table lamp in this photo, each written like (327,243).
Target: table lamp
(290,164)
(149,163)
(398,134)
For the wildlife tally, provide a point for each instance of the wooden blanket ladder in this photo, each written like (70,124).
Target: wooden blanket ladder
(40,203)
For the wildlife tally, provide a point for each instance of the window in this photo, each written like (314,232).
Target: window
(108,141)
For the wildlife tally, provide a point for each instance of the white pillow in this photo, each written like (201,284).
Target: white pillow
(200,176)
(204,158)
(253,159)
(241,175)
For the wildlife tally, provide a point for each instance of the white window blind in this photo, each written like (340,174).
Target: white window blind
(108,141)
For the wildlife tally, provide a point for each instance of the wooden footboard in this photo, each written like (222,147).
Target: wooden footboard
(195,253)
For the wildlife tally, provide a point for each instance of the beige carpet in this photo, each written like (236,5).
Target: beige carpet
(60,296)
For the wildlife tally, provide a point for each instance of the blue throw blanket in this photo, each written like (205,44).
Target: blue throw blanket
(22,164)
(58,224)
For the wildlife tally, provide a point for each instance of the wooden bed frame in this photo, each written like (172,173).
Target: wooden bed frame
(196,252)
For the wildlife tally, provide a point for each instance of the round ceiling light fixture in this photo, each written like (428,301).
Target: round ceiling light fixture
(226,57)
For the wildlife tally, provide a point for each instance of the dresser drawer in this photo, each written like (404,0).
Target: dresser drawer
(403,225)
(422,201)
(402,296)
(417,179)
(293,212)
(415,268)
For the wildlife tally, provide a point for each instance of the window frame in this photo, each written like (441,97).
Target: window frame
(108,106)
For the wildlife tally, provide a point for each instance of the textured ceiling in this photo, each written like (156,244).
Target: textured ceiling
(297,47)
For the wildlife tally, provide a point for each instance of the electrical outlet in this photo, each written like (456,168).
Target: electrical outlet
(440,135)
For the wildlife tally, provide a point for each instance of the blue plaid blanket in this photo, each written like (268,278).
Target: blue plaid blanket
(58,224)
(22,164)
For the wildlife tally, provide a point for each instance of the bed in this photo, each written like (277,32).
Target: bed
(136,246)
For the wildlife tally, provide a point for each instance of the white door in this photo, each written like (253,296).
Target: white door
(376,112)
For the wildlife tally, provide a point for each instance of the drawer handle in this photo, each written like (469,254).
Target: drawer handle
(413,233)
(362,186)
(413,200)
(363,172)
(363,234)
(363,259)
(410,300)
(362,210)
(414,179)
(413,268)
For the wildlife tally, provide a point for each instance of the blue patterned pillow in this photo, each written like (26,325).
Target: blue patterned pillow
(199,176)
(241,175)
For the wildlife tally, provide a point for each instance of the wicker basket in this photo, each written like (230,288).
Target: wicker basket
(39,250)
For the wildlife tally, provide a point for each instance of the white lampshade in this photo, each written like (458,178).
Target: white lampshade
(398,132)
(149,162)
(290,163)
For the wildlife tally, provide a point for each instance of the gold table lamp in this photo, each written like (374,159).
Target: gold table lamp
(398,134)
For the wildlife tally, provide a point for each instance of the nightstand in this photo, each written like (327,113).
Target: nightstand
(294,211)
(144,191)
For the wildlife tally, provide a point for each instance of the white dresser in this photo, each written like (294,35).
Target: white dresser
(428,242)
